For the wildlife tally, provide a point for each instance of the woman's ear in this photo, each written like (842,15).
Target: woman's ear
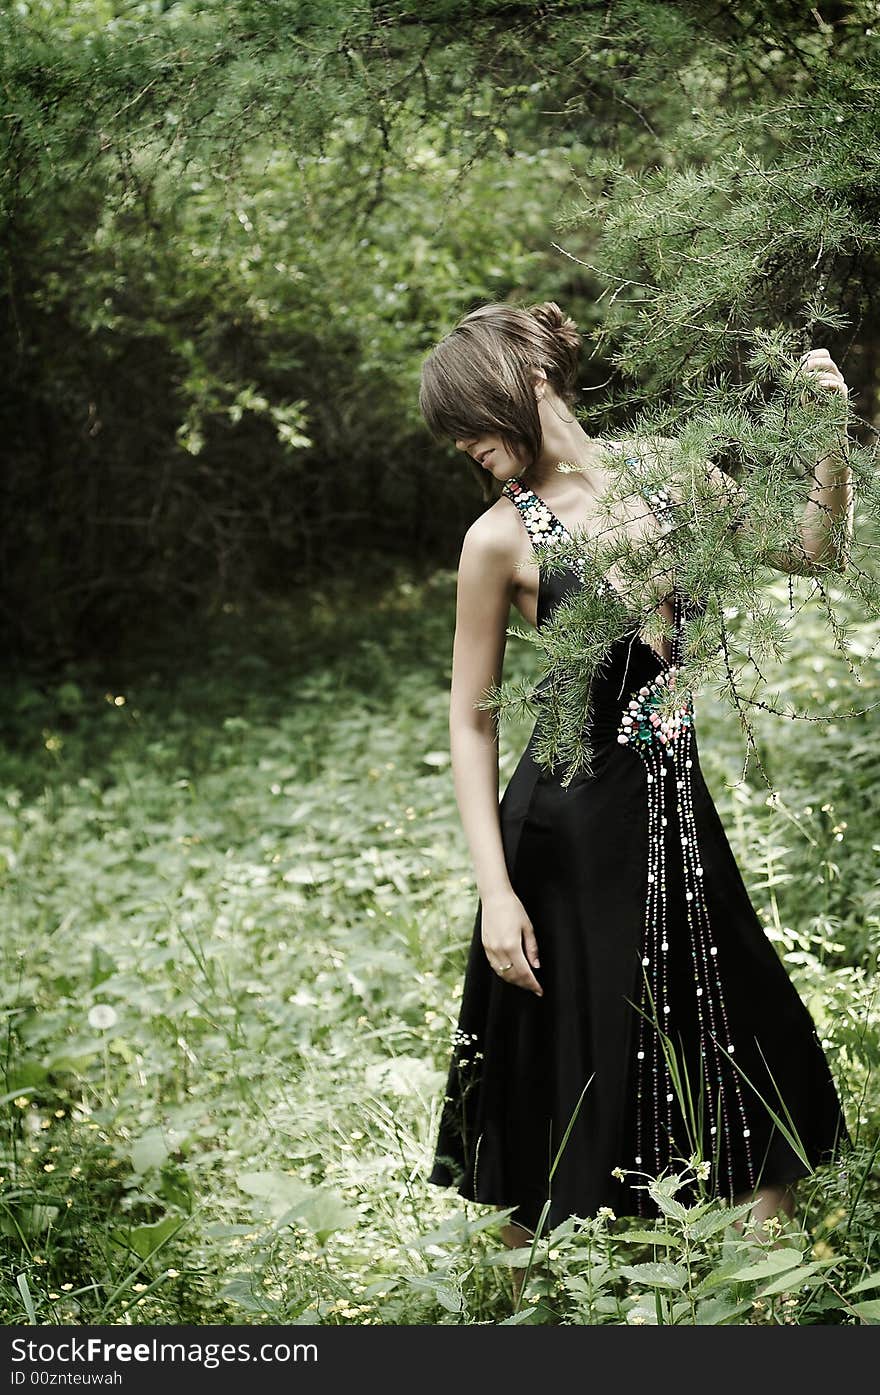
(539,382)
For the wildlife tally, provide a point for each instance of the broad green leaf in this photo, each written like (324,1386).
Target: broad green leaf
(660,1275)
(670,1207)
(792,1279)
(144,1239)
(716,1221)
(517,1319)
(774,1263)
(651,1237)
(514,1257)
(149,1151)
(869,1311)
(714,1312)
(438,1286)
(324,1212)
(277,1190)
(384,1285)
(719,1277)
(662,1191)
(240,1289)
(452,1231)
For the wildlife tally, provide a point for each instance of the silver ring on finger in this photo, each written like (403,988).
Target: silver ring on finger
(503,968)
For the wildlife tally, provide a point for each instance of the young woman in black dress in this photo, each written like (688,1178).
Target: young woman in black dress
(619,888)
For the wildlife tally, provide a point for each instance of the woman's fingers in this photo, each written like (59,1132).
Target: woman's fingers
(821,368)
(528,959)
(513,967)
(530,945)
(522,975)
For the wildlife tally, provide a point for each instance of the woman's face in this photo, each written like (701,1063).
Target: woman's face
(491,455)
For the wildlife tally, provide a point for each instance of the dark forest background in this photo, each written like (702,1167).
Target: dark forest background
(230,233)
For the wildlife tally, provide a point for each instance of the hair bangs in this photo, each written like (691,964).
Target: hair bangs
(449,398)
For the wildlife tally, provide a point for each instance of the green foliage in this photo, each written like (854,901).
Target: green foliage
(236,901)
(232,230)
(708,1269)
(235,896)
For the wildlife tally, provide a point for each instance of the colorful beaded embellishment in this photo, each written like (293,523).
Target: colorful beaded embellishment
(541,524)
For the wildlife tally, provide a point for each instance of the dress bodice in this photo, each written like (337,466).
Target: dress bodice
(631,670)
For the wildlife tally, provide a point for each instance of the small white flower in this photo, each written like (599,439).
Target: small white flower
(703,1170)
(102,1016)
(605,1213)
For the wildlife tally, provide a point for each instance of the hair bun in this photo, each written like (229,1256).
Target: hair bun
(562,346)
(560,325)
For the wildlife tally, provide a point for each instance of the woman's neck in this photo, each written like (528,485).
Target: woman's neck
(568,442)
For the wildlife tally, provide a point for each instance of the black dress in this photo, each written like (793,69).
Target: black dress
(642,920)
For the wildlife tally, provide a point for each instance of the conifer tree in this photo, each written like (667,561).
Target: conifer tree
(726,223)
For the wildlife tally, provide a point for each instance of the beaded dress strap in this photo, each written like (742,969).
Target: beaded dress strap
(540,521)
(542,524)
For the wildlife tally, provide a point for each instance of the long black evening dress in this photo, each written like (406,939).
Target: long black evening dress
(642,920)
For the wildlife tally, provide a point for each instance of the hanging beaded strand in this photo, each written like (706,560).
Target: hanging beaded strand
(643,728)
(708,977)
(665,745)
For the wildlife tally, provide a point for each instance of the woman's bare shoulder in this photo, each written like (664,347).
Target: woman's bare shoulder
(490,553)
(495,533)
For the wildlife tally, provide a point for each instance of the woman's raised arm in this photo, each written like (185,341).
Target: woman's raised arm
(823,544)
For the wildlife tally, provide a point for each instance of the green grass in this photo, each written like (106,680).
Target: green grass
(236,904)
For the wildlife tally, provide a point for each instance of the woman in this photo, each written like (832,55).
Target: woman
(612,904)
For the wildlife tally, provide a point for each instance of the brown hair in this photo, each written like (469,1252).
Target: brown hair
(477,380)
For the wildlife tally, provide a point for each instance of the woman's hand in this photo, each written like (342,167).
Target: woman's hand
(509,938)
(821,367)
